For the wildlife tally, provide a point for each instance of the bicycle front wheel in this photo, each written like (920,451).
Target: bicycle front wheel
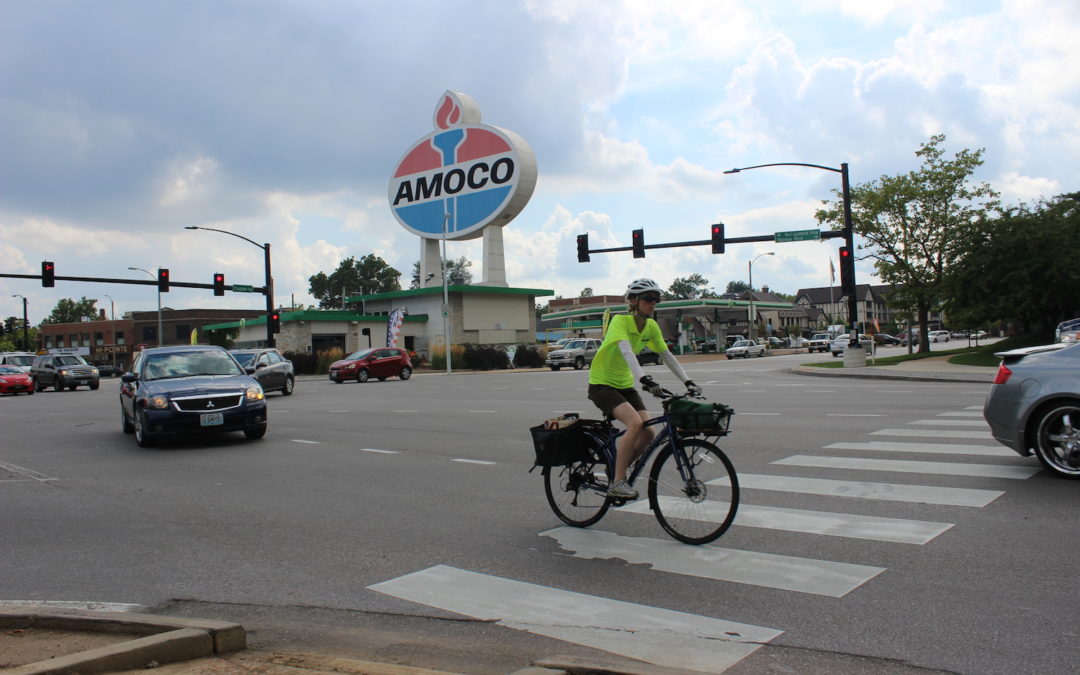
(696,504)
(577,492)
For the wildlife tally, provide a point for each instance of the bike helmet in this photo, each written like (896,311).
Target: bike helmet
(639,286)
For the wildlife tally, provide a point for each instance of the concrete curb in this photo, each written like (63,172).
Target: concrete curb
(162,639)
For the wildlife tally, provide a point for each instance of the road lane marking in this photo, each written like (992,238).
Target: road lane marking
(483,411)
(788,573)
(299,440)
(473,461)
(28,474)
(961,414)
(909,466)
(76,604)
(655,635)
(925,448)
(852,526)
(892,492)
(953,423)
(935,433)
(854,415)
(380,451)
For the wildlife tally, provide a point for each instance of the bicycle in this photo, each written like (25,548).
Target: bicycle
(693,490)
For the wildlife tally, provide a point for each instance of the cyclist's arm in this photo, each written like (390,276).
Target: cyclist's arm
(631,359)
(673,365)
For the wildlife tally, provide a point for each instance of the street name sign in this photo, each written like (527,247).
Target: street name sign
(797,235)
(242,288)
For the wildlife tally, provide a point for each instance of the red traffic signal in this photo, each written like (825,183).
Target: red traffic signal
(48,274)
(718,238)
(847,271)
(638,243)
(583,248)
(219,283)
(163,280)
(275,322)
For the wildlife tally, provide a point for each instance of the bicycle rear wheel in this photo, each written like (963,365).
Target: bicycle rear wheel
(577,492)
(699,508)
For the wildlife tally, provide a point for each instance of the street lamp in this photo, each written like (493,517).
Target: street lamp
(160,333)
(112,325)
(25,324)
(849,236)
(750,273)
(269,290)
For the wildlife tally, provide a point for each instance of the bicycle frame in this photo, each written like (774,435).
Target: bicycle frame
(665,435)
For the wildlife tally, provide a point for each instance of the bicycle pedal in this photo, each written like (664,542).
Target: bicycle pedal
(616,502)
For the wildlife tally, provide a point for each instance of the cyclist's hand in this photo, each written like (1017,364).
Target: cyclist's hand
(649,385)
(692,389)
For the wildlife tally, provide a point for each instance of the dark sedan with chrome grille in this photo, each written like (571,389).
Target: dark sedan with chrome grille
(189,389)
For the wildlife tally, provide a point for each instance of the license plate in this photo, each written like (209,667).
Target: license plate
(211,419)
(84,381)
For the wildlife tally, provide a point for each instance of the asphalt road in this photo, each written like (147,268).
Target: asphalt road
(422,489)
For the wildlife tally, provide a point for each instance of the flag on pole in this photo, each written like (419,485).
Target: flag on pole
(393,326)
(832,272)
(603,326)
(194,336)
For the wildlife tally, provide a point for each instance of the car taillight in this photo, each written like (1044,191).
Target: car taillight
(1003,375)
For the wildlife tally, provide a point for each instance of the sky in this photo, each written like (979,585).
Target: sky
(124,121)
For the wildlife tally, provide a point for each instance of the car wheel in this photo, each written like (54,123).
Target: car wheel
(406,373)
(362,376)
(255,433)
(556,367)
(30,392)
(58,384)
(286,389)
(95,386)
(382,379)
(729,357)
(579,363)
(142,436)
(127,426)
(1057,439)
(72,387)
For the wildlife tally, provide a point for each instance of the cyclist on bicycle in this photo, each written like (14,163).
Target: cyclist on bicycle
(615,368)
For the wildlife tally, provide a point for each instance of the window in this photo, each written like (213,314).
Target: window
(118,336)
(85,337)
(99,338)
(149,333)
(48,342)
(73,341)
(183,332)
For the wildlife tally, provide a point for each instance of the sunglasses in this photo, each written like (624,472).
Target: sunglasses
(649,298)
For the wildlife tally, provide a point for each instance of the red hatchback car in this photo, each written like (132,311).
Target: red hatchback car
(378,362)
(14,381)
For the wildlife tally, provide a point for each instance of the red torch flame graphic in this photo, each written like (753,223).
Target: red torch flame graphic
(449,113)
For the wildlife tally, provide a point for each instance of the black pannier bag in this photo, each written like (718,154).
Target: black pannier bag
(699,417)
(560,441)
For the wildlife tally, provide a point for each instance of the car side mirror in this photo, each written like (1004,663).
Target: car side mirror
(128,377)
(250,370)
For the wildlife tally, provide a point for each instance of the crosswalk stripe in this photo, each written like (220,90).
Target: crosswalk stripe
(935,433)
(893,492)
(659,636)
(926,448)
(952,423)
(850,525)
(788,573)
(961,414)
(907,466)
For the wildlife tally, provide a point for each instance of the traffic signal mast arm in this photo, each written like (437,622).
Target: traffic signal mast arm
(135,282)
(828,234)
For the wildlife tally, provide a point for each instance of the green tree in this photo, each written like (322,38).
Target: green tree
(737,288)
(71,311)
(693,286)
(457,272)
(370,274)
(991,286)
(586,292)
(912,224)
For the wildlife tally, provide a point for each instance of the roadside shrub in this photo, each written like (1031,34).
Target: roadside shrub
(325,358)
(437,357)
(486,357)
(528,356)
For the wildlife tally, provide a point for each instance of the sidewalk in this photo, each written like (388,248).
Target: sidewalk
(36,640)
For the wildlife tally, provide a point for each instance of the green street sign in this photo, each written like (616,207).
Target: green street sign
(241,288)
(797,235)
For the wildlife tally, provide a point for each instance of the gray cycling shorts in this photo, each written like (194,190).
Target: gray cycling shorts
(607,398)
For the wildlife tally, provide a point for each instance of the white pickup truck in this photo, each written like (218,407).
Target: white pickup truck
(819,343)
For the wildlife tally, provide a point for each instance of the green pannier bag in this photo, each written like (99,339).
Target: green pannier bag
(700,417)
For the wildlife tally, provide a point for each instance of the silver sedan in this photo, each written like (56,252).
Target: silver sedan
(1034,405)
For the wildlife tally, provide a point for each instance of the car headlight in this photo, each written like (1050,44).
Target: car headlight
(254,394)
(94,370)
(65,373)
(157,402)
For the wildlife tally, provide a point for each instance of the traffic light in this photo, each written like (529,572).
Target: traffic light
(718,238)
(583,248)
(48,274)
(847,271)
(275,321)
(219,283)
(162,280)
(639,243)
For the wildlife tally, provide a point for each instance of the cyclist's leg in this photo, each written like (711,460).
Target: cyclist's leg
(627,444)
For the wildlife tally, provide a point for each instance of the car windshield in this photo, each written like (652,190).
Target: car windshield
(363,353)
(10,370)
(576,344)
(69,360)
(245,358)
(20,360)
(188,364)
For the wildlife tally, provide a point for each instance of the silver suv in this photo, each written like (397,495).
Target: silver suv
(63,370)
(577,353)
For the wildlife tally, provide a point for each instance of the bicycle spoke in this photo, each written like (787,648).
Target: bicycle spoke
(577,493)
(697,504)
